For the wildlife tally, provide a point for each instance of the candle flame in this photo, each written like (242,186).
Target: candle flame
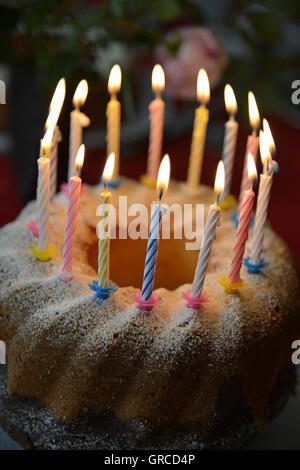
(230,100)
(47,140)
(252,173)
(269,136)
(56,103)
(220,178)
(80,156)
(203,88)
(254,117)
(264,148)
(158,79)
(80,93)
(109,168)
(164,173)
(114,80)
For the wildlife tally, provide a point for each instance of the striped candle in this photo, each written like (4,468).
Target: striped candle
(113,115)
(230,137)
(241,236)
(103,243)
(152,249)
(251,147)
(212,222)
(156,110)
(43,202)
(263,198)
(73,204)
(53,162)
(199,132)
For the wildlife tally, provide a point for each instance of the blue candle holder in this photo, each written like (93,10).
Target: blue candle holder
(255,268)
(113,184)
(103,292)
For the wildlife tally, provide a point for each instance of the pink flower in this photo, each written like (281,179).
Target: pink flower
(198,48)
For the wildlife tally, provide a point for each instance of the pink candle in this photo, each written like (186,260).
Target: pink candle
(252,145)
(243,226)
(156,108)
(73,204)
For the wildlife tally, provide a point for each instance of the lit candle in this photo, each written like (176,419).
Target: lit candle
(113,115)
(199,132)
(73,204)
(269,137)
(243,226)
(103,226)
(154,232)
(44,192)
(230,137)
(55,109)
(252,144)
(265,185)
(78,120)
(156,109)
(212,222)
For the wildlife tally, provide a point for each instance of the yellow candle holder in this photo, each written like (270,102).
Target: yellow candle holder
(230,287)
(43,255)
(228,203)
(148,181)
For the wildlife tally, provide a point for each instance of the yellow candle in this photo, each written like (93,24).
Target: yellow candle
(199,132)
(103,226)
(113,115)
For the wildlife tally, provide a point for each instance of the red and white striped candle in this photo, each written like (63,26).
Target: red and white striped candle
(73,204)
(252,145)
(243,226)
(157,110)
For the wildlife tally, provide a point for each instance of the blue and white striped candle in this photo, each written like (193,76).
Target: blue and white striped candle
(213,220)
(264,192)
(230,137)
(154,233)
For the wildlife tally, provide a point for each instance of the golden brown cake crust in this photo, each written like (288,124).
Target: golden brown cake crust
(71,350)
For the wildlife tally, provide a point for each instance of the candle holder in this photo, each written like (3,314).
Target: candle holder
(103,292)
(146,304)
(43,255)
(230,287)
(228,203)
(195,302)
(255,268)
(148,181)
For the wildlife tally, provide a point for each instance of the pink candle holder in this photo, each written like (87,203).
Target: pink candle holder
(146,304)
(195,302)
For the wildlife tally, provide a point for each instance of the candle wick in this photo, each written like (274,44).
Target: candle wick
(160,195)
(105,185)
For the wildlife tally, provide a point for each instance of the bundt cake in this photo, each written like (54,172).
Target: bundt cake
(89,373)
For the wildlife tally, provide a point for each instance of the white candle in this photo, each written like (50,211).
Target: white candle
(212,222)
(78,120)
(43,202)
(265,185)
(230,137)
(156,109)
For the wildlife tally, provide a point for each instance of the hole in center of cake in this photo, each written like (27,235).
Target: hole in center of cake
(175,265)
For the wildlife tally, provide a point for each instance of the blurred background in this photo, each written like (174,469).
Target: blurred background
(252,45)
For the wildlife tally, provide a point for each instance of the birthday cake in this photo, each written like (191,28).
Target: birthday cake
(85,372)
